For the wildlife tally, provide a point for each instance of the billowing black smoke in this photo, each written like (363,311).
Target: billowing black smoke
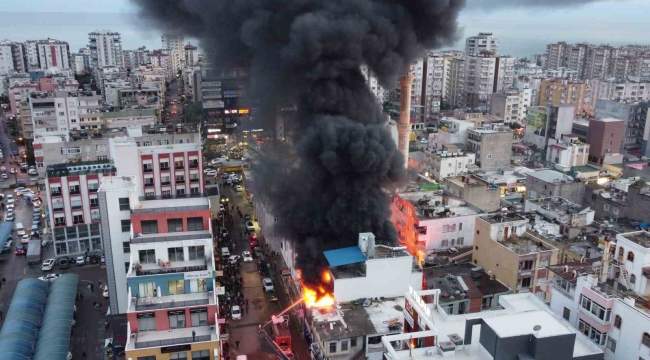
(308,52)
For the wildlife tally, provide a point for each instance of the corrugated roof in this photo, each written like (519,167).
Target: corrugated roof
(344,256)
(23,319)
(5,232)
(54,339)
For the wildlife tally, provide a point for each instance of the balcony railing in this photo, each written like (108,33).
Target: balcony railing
(179,166)
(147,170)
(194,165)
(76,207)
(56,193)
(159,343)
(94,205)
(74,191)
(93,189)
(172,270)
(167,197)
(171,304)
(151,239)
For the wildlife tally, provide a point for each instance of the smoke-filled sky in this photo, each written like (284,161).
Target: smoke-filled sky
(522,30)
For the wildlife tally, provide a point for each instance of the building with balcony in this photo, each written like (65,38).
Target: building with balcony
(59,112)
(105,48)
(567,152)
(523,328)
(492,146)
(73,205)
(559,92)
(517,258)
(511,105)
(427,221)
(486,73)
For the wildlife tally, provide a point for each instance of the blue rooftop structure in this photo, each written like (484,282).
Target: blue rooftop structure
(54,337)
(5,231)
(344,256)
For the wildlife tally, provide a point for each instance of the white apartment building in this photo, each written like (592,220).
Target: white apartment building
(456,84)
(431,82)
(567,152)
(191,54)
(11,57)
(454,132)
(380,93)
(111,91)
(445,164)
(59,112)
(486,74)
(611,89)
(78,63)
(174,45)
(31,54)
(475,45)
(53,54)
(105,48)
(610,305)
(511,105)
(534,84)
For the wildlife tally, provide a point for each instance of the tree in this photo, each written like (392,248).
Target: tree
(515,126)
(192,113)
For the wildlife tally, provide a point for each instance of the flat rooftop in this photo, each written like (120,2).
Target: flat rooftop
(523,323)
(566,270)
(459,281)
(429,205)
(346,322)
(129,113)
(386,314)
(550,176)
(525,245)
(558,205)
(502,217)
(640,237)
(146,339)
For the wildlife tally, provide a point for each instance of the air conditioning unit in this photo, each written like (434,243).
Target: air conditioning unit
(429,352)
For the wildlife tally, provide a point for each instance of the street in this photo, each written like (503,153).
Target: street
(5,142)
(175,107)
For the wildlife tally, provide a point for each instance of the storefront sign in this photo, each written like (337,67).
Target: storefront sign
(219,273)
(197,275)
(224,336)
(146,315)
(221,290)
(176,312)
(286,272)
(198,310)
(419,301)
(221,321)
(175,348)
(409,317)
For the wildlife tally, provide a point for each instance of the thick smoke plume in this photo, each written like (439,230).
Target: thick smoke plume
(308,52)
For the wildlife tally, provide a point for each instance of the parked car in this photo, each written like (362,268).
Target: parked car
(225,175)
(64,263)
(238,188)
(105,292)
(48,265)
(9,216)
(233,259)
(20,250)
(32,172)
(246,255)
(250,226)
(268,284)
(4,176)
(49,277)
(80,260)
(25,239)
(19,190)
(10,200)
(211,172)
(236,312)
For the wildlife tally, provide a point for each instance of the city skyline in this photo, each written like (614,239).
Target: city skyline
(522,30)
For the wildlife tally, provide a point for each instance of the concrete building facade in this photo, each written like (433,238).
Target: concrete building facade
(551,183)
(493,147)
(606,140)
(105,48)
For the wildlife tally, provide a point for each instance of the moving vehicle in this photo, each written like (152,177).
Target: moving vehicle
(282,336)
(238,188)
(20,250)
(225,252)
(105,292)
(24,239)
(246,256)
(252,240)
(268,284)
(49,277)
(33,255)
(236,312)
(211,172)
(233,259)
(273,297)
(80,260)
(250,226)
(221,208)
(20,230)
(48,265)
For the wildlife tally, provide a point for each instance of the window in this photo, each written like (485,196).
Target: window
(489,156)
(175,254)
(353,342)
(566,314)
(147,167)
(176,319)
(445,228)
(180,191)
(126,247)
(617,321)
(74,189)
(149,226)
(147,322)
(146,289)
(345,346)
(199,316)
(178,164)
(194,224)
(174,225)
(176,287)
(77,219)
(645,340)
(333,347)
(460,241)
(178,356)
(525,282)
(606,207)
(180,178)
(201,355)
(445,244)
(593,334)
(526,265)
(460,226)
(164,165)
(611,345)
(196,252)
(147,256)
(597,310)
(632,279)
(165,179)
(124,204)
(126,225)
(630,256)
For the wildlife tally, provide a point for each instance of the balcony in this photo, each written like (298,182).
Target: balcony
(179,166)
(165,182)
(168,197)
(185,235)
(147,169)
(149,339)
(93,190)
(193,180)
(56,192)
(58,208)
(172,267)
(172,301)
(194,164)
(148,183)
(94,205)
(74,191)
(76,207)
(59,223)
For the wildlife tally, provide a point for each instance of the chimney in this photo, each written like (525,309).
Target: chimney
(371,246)
(404,124)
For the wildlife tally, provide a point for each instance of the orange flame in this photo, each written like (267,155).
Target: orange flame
(318,297)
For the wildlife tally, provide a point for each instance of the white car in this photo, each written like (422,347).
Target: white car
(9,216)
(238,188)
(268,284)
(18,190)
(26,192)
(235,177)
(246,255)
(25,239)
(236,312)
(4,176)
(10,200)
(214,161)
(250,226)
(80,260)
(105,292)
(233,259)
(222,208)
(211,172)
(48,265)
(49,277)
(223,158)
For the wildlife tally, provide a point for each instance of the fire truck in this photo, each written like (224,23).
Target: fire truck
(282,336)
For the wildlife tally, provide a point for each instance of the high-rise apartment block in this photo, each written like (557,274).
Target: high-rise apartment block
(381,94)
(59,112)
(456,83)
(105,48)
(511,105)
(173,44)
(431,85)
(635,117)
(475,45)
(557,92)
(191,54)
(11,57)
(606,139)
(486,74)
(53,54)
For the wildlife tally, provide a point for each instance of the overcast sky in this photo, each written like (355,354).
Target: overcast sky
(522,30)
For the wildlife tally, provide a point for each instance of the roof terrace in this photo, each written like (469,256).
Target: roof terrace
(526,244)
(640,237)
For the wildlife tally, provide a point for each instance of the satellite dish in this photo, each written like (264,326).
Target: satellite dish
(537,328)
(123,177)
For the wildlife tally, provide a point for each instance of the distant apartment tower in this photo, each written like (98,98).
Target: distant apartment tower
(619,90)
(432,75)
(105,48)
(563,55)
(637,123)
(493,147)
(456,84)
(557,92)
(511,105)
(486,74)
(53,54)
(59,112)
(174,46)
(191,54)
(475,45)
(381,94)
(606,139)
(11,57)
(598,61)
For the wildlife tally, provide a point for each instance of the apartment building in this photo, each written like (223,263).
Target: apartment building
(485,74)
(450,162)
(567,152)
(12,57)
(53,54)
(431,81)
(619,90)
(426,221)
(616,203)
(606,139)
(381,95)
(162,59)
(59,112)
(609,302)
(105,48)
(546,122)
(475,190)
(475,45)
(453,131)
(191,55)
(559,92)
(456,84)
(516,258)
(492,146)
(173,45)
(598,61)
(636,123)
(511,105)
(523,83)
(551,183)
(73,205)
